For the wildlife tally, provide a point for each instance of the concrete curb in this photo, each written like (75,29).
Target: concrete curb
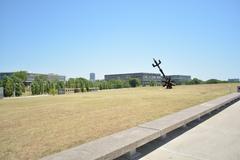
(118,144)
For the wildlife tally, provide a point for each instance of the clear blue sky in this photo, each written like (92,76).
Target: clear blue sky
(73,37)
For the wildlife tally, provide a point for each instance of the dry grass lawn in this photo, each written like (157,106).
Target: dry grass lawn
(31,128)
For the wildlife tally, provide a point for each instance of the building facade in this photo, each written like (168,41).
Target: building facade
(234,80)
(145,78)
(180,79)
(31,76)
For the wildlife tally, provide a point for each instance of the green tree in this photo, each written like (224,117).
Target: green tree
(8,86)
(35,88)
(83,88)
(100,86)
(115,84)
(71,83)
(21,75)
(40,85)
(134,82)
(213,81)
(194,81)
(19,87)
(53,91)
(60,85)
(77,83)
(152,83)
(112,84)
(87,86)
(126,84)
(1,83)
(81,83)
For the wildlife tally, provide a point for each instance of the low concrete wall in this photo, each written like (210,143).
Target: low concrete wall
(120,143)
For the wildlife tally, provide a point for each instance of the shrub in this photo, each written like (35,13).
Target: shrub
(152,83)
(8,86)
(213,81)
(53,91)
(77,90)
(134,82)
(194,81)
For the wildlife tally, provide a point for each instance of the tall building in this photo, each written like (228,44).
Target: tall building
(31,76)
(145,78)
(92,77)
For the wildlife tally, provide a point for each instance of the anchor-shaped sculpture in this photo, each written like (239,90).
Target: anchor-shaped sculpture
(166,82)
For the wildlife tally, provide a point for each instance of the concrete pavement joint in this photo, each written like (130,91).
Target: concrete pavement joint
(149,128)
(182,154)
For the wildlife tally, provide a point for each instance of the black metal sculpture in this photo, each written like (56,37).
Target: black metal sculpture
(166,82)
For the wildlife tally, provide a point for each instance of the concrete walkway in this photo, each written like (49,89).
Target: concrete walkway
(217,138)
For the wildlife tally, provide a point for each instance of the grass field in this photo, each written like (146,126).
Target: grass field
(31,128)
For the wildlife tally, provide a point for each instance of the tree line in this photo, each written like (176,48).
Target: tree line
(199,81)
(116,84)
(41,85)
(15,85)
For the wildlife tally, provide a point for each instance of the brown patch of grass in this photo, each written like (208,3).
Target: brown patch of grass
(31,128)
